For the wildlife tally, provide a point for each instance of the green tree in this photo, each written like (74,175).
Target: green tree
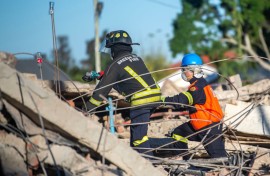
(65,60)
(242,26)
(155,63)
(76,73)
(64,54)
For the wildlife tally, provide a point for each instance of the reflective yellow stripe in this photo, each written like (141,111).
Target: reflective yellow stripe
(145,100)
(95,102)
(145,93)
(137,77)
(189,96)
(138,142)
(180,138)
(162,98)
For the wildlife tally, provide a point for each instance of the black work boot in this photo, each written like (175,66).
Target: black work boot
(164,146)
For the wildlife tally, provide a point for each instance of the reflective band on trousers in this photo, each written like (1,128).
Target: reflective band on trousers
(138,142)
(95,102)
(180,138)
(189,97)
(145,100)
(145,93)
(137,77)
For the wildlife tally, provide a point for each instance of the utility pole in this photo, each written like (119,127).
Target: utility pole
(97,11)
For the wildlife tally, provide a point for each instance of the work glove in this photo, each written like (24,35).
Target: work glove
(162,99)
(163,103)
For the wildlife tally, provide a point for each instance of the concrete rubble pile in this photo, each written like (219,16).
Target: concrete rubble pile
(39,129)
(41,134)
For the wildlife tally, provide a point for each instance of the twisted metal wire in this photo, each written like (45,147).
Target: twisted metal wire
(230,127)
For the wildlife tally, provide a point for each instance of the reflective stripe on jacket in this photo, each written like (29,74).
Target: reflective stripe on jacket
(200,101)
(129,76)
(145,96)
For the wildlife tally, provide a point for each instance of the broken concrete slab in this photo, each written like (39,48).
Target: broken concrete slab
(46,108)
(246,92)
(248,118)
(12,155)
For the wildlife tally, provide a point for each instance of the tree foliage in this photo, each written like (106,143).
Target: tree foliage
(242,26)
(65,60)
(155,63)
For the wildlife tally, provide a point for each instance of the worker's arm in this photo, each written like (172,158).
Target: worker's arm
(103,88)
(177,101)
(194,95)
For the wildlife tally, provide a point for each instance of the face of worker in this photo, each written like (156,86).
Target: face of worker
(189,74)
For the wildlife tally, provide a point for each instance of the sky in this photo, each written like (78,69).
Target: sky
(26,25)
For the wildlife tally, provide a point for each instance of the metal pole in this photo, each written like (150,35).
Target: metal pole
(39,62)
(57,75)
(110,108)
(97,54)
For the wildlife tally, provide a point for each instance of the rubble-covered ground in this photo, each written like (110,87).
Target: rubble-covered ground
(43,133)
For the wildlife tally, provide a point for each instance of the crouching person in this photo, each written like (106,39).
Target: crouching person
(204,111)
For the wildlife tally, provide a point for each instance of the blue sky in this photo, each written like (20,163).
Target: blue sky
(26,24)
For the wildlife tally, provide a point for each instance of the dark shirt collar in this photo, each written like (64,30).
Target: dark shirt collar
(193,80)
(122,54)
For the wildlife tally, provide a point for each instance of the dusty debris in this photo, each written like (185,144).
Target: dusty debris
(248,118)
(45,108)
(246,93)
(42,133)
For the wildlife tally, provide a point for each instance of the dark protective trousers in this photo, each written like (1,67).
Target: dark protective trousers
(167,146)
(137,132)
(215,148)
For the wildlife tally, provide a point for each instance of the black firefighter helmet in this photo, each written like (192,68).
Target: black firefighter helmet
(116,37)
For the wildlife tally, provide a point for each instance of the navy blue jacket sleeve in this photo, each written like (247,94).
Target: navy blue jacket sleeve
(106,83)
(177,101)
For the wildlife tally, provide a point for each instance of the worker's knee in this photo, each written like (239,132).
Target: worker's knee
(142,146)
(140,142)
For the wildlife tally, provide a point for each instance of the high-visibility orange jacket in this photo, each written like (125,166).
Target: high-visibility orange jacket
(200,101)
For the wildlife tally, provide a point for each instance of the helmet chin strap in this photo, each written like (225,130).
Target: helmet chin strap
(112,55)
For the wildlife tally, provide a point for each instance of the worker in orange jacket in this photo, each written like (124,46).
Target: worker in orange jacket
(204,112)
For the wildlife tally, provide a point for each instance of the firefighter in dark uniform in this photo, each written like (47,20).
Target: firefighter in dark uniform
(204,112)
(128,75)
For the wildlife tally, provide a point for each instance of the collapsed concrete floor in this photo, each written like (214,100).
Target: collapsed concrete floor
(42,134)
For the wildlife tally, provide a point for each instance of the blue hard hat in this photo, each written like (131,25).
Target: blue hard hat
(191,59)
